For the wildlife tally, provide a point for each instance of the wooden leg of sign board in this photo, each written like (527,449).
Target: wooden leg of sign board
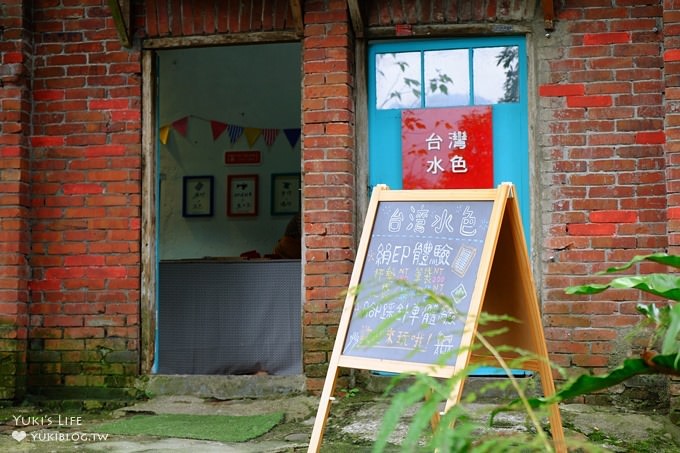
(529,313)
(542,366)
(511,292)
(554,414)
(334,363)
(434,421)
(454,398)
(324,408)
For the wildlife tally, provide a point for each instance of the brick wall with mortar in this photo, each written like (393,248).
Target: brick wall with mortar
(602,165)
(78,129)
(671,57)
(85,205)
(599,167)
(329,160)
(15,69)
(603,161)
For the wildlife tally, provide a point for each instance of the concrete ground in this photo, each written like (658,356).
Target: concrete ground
(351,427)
(352,424)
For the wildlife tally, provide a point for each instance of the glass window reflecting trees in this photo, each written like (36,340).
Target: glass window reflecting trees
(447,78)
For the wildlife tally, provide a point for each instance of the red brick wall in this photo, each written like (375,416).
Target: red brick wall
(329,186)
(204,17)
(671,56)
(86,165)
(15,57)
(605,136)
(602,164)
(600,161)
(387,13)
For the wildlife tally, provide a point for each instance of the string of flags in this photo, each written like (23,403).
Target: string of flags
(234,131)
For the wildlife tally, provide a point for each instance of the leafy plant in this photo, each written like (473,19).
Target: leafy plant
(457,430)
(662,352)
(509,60)
(350,392)
(430,430)
(427,394)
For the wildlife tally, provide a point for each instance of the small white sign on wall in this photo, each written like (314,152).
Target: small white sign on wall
(242,195)
(285,193)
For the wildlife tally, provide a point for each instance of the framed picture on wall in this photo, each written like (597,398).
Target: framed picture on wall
(197,196)
(242,195)
(285,193)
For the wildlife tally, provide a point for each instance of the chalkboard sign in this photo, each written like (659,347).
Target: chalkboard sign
(431,245)
(467,245)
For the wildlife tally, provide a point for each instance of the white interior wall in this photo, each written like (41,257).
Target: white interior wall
(251,86)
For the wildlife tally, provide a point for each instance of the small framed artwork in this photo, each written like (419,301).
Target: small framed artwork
(197,196)
(285,193)
(242,195)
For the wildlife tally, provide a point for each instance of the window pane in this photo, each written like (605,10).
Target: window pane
(397,80)
(447,78)
(496,74)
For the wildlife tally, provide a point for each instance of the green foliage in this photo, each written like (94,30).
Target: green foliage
(663,285)
(509,60)
(458,430)
(350,392)
(427,395)
(663,324)
(440,83)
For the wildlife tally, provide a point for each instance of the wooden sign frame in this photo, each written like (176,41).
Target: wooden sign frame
(504,286)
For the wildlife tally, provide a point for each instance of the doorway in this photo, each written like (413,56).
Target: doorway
(228,185)
(443,80)
(432,74)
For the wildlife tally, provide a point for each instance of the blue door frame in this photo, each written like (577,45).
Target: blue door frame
(510,120)
(510,126)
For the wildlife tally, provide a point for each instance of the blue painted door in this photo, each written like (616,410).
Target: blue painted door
(429,74)
(434,73)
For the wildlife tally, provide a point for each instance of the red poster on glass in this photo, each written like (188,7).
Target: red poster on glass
(447,148)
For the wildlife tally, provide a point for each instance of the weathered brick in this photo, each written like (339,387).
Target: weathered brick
(650,137)
(591,229)
(671,55)
(614,216)
(589,101)
(562,90)
(71,189)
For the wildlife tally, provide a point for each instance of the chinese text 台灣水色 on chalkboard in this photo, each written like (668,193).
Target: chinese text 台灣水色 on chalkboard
(431,245)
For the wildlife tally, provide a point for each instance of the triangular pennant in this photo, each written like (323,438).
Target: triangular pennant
(181,125)
(217,128)
(252,134)
(163,134)
(270,135)
(235,132)
(293,135)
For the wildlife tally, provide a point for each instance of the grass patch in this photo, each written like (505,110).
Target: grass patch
(221,428)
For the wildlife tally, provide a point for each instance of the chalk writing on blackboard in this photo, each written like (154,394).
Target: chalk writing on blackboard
(431,245)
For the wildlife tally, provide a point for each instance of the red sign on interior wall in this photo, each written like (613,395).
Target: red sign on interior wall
(241,157)
(447,148)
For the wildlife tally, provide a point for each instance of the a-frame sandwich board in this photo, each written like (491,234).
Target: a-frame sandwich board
(474,245)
